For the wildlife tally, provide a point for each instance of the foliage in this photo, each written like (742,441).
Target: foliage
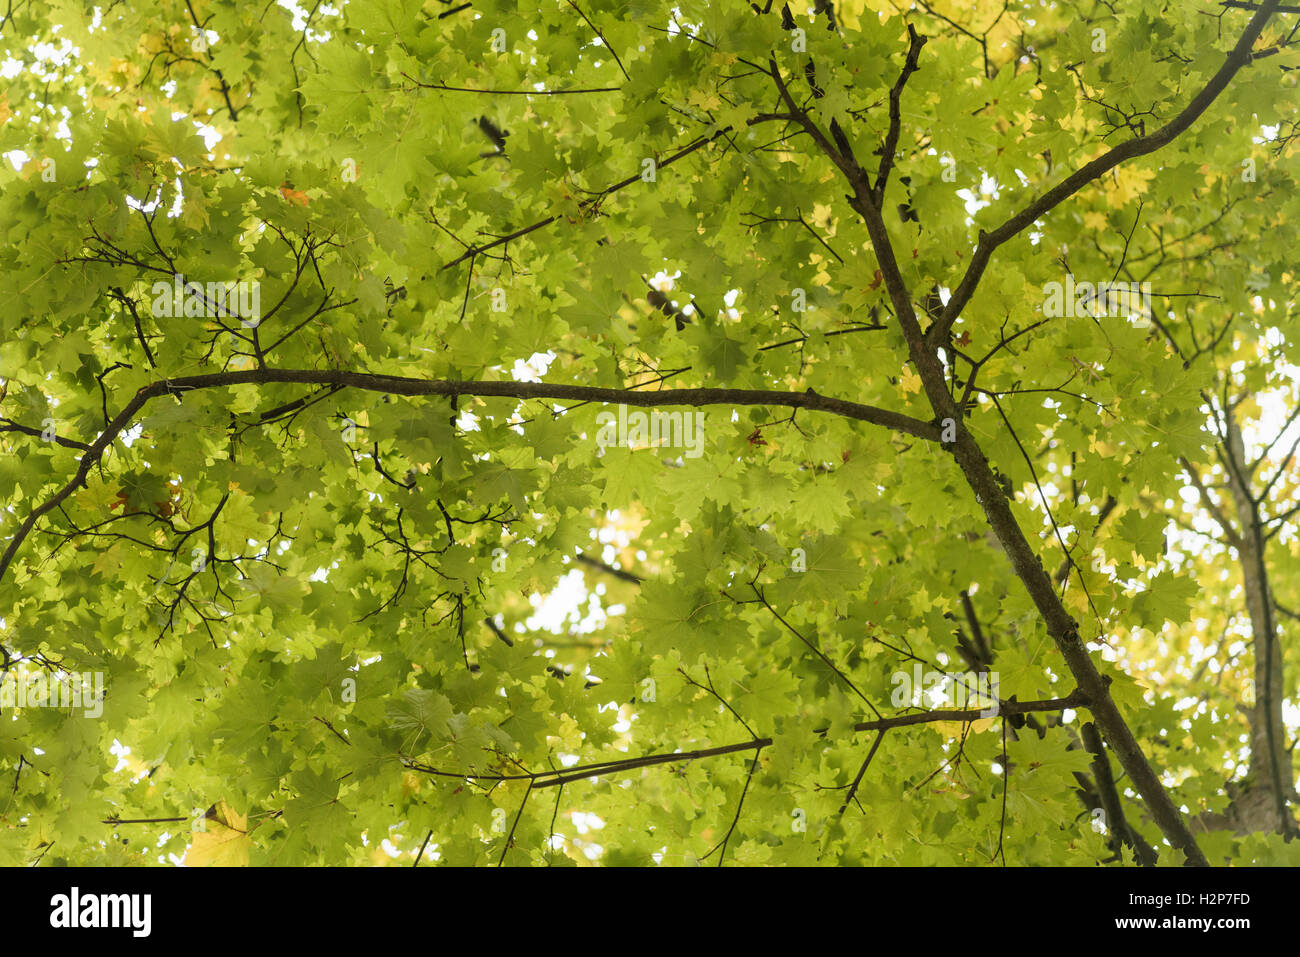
(317,551)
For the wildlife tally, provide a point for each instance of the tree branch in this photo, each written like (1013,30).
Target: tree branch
(975,465)
(1237,58)
(399,385)
(557,778)
(915,42)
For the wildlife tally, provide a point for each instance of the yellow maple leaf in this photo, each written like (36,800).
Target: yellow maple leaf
(1104,449)
(909,381)
(225,843)
(1076,600)
(955,729)
(151,43)
(707,101)
(1076,122)
(194,215)
(1096,221)
(1130,183)
(122,67)
(411,783)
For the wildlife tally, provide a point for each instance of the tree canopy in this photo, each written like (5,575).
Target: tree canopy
(625,432)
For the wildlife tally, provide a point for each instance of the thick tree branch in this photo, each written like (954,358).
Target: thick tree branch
(983,481)
(1110,802)
(399,385)
(1229,530)
(1269,759)
(915,42)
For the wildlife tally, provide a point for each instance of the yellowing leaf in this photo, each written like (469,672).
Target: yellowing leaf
(909,381)
(955,729)
(1130,183)
(225,843)
(1076,600)
(708,101)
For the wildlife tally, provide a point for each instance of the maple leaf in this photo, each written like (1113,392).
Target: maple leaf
(293,195)
(223,843)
